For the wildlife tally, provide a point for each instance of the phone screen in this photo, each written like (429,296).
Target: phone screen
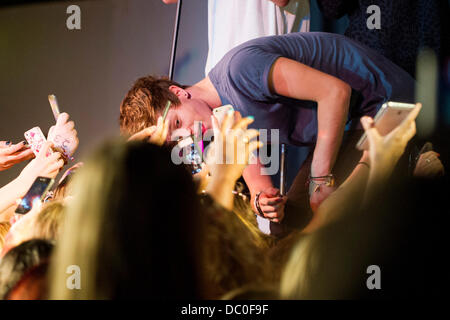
(40,186)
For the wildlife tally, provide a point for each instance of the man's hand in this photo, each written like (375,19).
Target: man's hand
(316,198)
(63,135)
(154,134)
(272,204)
(429,166)
(11,154)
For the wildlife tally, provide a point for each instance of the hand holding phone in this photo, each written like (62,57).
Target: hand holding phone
(36,140)
(35,194)
(387,119)
(221,112)
(41,166)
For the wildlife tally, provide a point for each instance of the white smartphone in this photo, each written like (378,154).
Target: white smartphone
(36,140)
(387,119)
(221,112)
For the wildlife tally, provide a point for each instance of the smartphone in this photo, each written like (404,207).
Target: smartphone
(221,112)
(35,194)
(36,140)
(388,118)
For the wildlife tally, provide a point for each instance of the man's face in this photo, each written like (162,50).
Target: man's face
(182,118)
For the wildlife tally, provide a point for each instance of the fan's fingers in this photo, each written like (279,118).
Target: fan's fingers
(227,122)
(369,127)
(243,123)
(251,134)
(62,118)
(253,145)
(45,148)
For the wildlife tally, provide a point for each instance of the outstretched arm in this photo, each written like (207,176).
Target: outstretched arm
(385,151)
(363,184)
(293,79)
(41,166)
(348,196)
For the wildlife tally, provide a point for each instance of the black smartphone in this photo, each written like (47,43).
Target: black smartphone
(36,192)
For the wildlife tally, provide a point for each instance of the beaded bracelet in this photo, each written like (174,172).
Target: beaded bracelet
(257,206)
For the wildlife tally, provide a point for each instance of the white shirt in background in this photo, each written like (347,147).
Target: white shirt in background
(232,22)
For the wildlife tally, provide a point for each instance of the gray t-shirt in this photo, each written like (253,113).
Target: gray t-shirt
(241,79)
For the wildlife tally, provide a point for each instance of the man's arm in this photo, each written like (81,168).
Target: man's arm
(346,198)
(367,180)
(295,80)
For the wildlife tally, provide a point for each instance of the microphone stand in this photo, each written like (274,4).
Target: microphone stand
(174,40)
(283,170)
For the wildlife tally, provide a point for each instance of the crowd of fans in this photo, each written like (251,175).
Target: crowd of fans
(138,226)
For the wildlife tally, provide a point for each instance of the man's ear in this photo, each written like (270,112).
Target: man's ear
(179,92)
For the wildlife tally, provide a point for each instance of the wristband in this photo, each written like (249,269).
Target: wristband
(257,204)
(327,180)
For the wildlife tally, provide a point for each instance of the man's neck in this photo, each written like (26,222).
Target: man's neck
(205,91)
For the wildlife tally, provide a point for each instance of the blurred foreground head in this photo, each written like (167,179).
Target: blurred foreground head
(131,228)
(403,232)
(19,263)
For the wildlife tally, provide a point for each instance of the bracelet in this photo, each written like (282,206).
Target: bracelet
(364,163)
(322,177)
(257,204)
(329,181)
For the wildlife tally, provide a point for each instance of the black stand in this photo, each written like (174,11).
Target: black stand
(174,40)
(283,170)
